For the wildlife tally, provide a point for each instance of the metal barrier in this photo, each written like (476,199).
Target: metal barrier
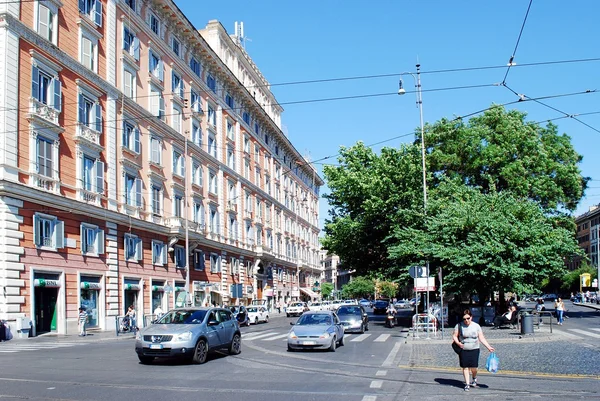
(425,322)
(538,317)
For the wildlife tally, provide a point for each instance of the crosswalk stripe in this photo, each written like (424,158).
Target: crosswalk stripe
(596,329)
(382,338)
(275,338)
(261,336)
(360,338)
(570,335)
(585,333)
(249,336)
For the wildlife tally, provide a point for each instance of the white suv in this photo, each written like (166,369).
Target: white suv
(296,309)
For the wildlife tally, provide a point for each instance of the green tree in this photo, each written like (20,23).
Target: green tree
(571,280)
(487,241)
(358,287)
(531,171)
(387,289)
(370,194)
(500,151)
(326,290)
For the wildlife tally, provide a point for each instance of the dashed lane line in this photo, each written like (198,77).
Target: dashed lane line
(392,355)
(376,384)
(369,398)
(381,373)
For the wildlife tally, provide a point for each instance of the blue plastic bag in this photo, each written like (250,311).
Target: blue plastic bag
(493,363)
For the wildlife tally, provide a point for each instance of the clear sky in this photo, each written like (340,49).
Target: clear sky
(292,41)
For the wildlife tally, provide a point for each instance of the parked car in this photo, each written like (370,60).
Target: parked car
(189,333)
(350,302)
(365,303)
(326,305)
(402,304)
(257,314)
(549,297)
(296,309)
(241,315)
(316,330)
(353,318)
(380,306)
(315,306)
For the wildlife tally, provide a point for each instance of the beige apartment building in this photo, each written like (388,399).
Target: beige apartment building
(142,162)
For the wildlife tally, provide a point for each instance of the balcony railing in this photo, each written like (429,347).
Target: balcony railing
(88,133)
(175,222)
(90,197)
(39,109)
(46,183)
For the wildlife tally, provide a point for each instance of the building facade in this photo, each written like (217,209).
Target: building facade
(142,162)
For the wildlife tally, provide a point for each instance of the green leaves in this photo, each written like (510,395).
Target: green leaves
(498,189)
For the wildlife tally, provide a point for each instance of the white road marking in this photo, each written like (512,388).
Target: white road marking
(261,336)
(390,359)
(369,398)
(361,338)
(381,373)
(376,384)
(595,329)
(276,337)
(382,338)
(585,333)
(570,335)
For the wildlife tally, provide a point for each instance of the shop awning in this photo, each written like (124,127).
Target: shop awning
(310,293)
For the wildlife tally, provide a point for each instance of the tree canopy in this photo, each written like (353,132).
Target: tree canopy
(358,287)
(499,191)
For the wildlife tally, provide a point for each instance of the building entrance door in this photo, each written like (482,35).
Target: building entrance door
(45,309)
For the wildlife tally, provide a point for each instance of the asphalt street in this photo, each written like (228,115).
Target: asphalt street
(381,365)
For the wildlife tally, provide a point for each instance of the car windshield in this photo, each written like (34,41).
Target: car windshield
(183,317)
(298,304)
(314,319)
(381,303)
(252,309)
(348,310)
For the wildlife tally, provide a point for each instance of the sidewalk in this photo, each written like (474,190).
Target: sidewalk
(540,353)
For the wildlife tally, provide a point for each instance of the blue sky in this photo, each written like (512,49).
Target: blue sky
(293,41)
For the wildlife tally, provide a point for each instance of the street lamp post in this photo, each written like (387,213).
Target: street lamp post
(402,91)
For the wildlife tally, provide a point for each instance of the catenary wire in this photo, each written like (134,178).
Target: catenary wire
(512,58)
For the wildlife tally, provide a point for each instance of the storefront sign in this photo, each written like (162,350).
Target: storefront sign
(132,287)
(42,282)
(158,288)
(86,285)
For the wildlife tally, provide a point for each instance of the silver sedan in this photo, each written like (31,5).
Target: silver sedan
(313,330)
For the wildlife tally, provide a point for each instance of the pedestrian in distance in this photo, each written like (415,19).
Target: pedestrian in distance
(540,307)
(559,306)
(158,312)
(82,319)
(468,335)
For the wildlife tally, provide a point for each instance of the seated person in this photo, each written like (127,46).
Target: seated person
(505,318)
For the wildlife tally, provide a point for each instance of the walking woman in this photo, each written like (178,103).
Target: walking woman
(468,335)
(559,305)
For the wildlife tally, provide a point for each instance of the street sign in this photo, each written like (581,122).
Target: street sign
(418,271)
(425,284)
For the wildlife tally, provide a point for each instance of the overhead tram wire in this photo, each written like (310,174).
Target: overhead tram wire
(512,58)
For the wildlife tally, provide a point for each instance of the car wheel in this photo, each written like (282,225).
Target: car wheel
(290,349)
(333,343)
(236,345)
(200,352)
(287,314)
(341,343)
(145,359)
(267,319)
(255,320)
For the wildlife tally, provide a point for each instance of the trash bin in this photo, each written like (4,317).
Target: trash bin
(527,323)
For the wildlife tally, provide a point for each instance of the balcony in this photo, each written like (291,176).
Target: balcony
(89,134)
(175,222)
(130,210)
(43,111)
(199,228)
(248,214)
(156,219)
(90,197)
(232,206)
(197,110)
(46,183)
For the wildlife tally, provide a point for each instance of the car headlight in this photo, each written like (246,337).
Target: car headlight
(325,335)
(292,335)
(352,321)
(184,336)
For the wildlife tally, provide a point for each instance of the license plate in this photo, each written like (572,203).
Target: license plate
(156,346)
(309,342)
